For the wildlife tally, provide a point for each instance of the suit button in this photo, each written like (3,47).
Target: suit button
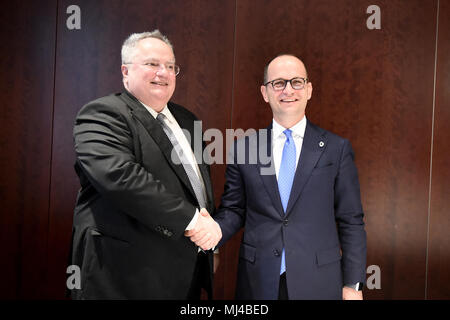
(276,253)
(285,222)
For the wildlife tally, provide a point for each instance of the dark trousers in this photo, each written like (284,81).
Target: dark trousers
(200,279)
(282,291)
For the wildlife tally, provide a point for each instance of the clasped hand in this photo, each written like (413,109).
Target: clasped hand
(206,233)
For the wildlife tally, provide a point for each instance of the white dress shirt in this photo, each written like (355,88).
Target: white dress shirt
(279,138)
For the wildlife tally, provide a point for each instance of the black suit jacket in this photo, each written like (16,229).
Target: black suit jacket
(134,204)
(322,230)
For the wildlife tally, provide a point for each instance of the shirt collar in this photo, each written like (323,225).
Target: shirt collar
(298,130)
(165,111)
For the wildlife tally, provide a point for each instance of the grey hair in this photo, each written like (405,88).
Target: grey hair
(266,68)
(129,45)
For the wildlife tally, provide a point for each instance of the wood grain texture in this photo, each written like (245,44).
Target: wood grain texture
(438,278)
(374,87)
(88,66)
(26,82)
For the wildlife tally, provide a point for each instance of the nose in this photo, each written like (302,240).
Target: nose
(162,71)
(288,89)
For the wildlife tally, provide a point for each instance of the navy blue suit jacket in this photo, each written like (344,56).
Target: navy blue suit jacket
(322,231)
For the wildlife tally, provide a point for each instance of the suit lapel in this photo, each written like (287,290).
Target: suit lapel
(157,133)
(314,143)
(267,173)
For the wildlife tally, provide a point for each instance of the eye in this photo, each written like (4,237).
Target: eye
(278,84)
(170,67)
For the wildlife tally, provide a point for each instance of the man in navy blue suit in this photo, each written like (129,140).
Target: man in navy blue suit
(302,216)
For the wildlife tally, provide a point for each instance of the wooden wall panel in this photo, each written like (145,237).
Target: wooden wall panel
(374,87)
(88,67)
(438,280)
(26,82)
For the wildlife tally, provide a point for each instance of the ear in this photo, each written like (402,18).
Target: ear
(264,93)
(309,87)
(124,70)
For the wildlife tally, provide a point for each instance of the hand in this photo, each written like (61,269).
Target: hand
(351,294)
(206,233)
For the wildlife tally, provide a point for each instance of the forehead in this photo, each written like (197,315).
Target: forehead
(286,67)
(152,48)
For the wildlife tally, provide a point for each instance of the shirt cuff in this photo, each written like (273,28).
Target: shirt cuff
(193,222)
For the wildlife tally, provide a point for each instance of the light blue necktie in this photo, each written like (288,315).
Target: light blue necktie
(286,178)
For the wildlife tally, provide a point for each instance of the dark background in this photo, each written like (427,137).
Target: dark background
(386,90)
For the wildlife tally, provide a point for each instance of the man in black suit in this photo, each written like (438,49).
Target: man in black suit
(141,187)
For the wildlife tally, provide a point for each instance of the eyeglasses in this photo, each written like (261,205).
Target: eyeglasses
(156,66)
(296,83)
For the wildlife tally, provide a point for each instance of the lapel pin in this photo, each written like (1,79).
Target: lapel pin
(321,144)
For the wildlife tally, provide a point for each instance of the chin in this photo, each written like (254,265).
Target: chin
(162,93)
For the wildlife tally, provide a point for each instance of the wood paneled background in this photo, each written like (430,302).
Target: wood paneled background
(386,90)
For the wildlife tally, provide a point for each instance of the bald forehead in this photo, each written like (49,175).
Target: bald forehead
(154,43)
(285,64)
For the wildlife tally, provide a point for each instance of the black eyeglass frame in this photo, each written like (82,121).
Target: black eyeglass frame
(305,80)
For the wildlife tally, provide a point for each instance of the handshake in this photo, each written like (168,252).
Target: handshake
(207,233)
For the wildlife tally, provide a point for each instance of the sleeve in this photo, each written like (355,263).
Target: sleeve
(105,152)
(349,216)
(231,213)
